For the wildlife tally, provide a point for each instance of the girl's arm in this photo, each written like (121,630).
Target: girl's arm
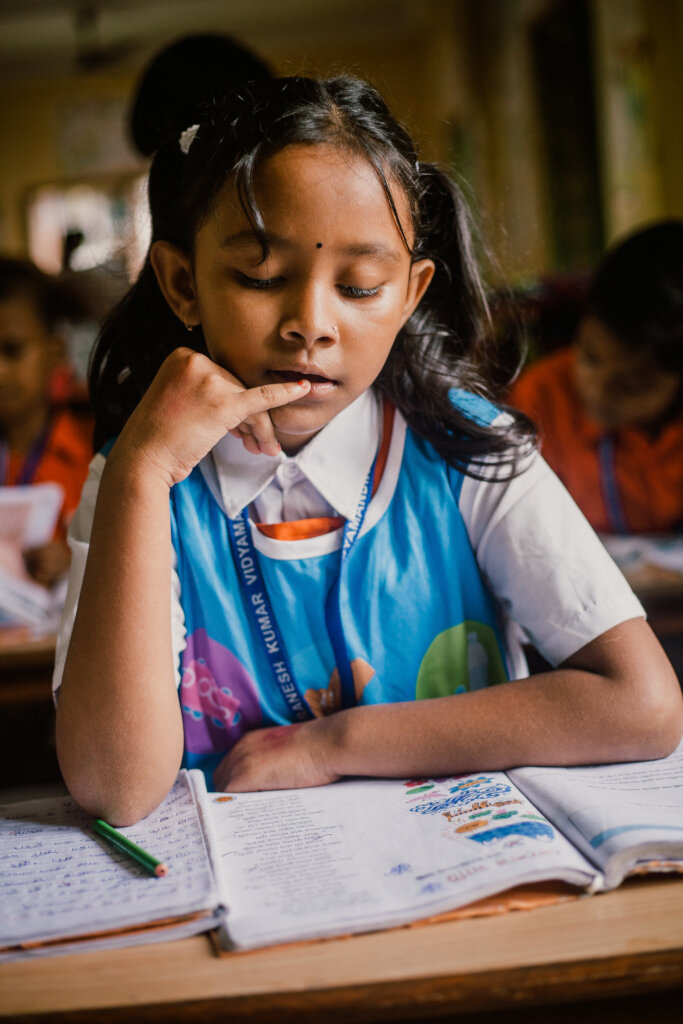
(119,730)
(617,699)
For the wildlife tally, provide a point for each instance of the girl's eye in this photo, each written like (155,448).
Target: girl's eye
(12,351)
(358,293)
(259,283)
(587,358)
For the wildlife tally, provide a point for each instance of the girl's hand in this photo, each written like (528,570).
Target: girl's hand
(49,562)
(283,757)
(189,406)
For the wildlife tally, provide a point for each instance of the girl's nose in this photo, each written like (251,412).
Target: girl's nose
(309,319)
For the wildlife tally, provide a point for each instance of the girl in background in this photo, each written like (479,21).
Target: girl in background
(307,512)
(41,440)
(610,407)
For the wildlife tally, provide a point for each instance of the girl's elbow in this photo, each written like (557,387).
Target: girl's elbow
(670,727)
(659,720)
(120,795)
(117,806)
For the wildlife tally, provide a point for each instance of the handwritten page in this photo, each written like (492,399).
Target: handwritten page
(618,815)
(58,879)
(368,854)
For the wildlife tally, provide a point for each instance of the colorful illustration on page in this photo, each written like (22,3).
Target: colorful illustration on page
(484,808)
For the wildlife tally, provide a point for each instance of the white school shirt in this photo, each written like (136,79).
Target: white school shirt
(554,583)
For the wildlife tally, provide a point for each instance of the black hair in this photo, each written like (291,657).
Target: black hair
(637,293)
(448,341)
(51,301)
(180,77)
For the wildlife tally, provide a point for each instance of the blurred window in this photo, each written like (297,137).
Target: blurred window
(89,226)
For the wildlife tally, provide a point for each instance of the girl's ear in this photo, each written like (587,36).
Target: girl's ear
(421,274)
(173,271)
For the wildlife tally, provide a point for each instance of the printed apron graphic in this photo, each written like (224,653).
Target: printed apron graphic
(464,657)
(217,695)
(327,701)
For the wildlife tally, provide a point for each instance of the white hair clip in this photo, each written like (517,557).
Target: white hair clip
(187,138)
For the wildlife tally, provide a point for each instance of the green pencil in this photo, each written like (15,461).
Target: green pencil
(122,843)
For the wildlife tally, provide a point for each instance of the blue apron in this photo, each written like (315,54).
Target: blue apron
(416,616)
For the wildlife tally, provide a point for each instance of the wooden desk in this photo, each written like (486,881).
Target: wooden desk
(27,754)
(619,955)
(25,668)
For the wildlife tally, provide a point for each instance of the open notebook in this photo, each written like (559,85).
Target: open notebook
(266,868)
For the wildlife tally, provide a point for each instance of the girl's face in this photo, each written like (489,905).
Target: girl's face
(337,285)
(617,386)
(28,357)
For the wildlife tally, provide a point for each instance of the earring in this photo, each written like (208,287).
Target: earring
(188,327)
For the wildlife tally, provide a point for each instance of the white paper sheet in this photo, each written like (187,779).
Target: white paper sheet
(28,515)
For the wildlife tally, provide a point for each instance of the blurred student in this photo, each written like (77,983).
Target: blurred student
(610,406)
(41,440)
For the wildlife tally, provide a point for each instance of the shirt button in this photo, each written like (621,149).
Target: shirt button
(287,473)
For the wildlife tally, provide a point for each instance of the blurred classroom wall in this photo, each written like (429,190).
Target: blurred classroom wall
(565,116)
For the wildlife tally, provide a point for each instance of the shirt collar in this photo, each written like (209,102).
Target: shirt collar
(336,461)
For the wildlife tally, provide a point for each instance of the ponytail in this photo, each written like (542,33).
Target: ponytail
(133,343)
(449,341)
(142,329)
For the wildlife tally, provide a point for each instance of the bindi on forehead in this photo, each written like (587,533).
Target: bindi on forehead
(318,245)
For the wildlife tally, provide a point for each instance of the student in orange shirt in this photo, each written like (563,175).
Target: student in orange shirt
(610,407)
(39,441)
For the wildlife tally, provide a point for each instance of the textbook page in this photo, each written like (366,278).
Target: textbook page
(620,815)
(58,880)
(366,854)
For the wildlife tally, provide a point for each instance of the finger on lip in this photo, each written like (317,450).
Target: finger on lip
(312,376)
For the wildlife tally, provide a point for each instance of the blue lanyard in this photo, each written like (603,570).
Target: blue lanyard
(333,616)
(30,464)
(610,487)
(261,610)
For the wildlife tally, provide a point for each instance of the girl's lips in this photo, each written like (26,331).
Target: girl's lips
(294,375)
(321,386)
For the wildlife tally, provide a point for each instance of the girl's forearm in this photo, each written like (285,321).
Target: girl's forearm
(628,708)
(616,700)
(119,731)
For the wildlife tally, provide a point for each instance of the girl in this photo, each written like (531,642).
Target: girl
(352,525)
(41,440)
